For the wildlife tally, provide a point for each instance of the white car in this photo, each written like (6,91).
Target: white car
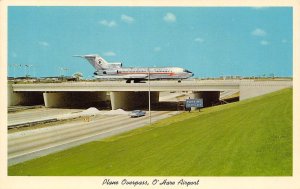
(137,113)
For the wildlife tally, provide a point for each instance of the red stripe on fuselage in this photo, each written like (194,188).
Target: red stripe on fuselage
(167,73)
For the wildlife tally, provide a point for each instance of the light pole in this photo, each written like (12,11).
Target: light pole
(27,67)
(62,71)
(66,71)
(149,96)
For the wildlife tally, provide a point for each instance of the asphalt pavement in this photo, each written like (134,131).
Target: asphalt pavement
(37,115)
(30,144)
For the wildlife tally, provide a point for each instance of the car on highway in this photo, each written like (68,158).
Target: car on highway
(137,113)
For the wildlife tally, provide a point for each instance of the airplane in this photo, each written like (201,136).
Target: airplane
(114,71)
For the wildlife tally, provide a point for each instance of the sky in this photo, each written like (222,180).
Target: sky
(209,41)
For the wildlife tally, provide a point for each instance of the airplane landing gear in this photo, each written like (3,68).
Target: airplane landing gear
(133,81)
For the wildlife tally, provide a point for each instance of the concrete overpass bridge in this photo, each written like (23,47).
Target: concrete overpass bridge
(130,95)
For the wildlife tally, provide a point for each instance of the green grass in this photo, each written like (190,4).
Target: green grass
(247,138)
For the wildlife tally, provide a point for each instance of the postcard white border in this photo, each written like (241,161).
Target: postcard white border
(76,182)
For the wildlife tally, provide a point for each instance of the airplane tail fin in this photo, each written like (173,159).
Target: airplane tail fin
(95,60)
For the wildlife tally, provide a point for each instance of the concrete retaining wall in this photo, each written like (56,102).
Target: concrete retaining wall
(258,88)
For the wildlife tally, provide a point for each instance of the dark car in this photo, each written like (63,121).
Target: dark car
(137,113)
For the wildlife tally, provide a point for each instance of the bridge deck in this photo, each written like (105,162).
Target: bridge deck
(186,85)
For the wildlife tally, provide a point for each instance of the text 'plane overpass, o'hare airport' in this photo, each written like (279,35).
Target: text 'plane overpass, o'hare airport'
(131,95)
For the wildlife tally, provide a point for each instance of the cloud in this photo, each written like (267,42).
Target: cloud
(259,8)
(157,49)
(127,19)
(170,17)
(44,43)
(259,32)
(264,42)
(110,53)
(199,40)
(108,23)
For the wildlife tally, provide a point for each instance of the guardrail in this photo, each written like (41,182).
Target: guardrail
(121,86)
(28,124)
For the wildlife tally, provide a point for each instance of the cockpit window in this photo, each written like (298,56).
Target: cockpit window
(187,71)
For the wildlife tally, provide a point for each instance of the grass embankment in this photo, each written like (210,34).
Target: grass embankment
(252,137)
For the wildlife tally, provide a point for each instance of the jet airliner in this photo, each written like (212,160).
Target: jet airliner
(113,71)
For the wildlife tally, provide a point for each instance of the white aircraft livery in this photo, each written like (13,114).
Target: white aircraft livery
(113,71)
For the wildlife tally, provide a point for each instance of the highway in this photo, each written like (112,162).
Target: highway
(37,115)
(26,145)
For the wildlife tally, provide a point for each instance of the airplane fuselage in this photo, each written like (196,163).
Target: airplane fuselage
(144,73)
(105,70)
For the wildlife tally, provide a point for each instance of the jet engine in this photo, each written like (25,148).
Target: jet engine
(115,65)
(110,72)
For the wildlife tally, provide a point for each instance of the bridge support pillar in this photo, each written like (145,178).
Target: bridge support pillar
(129,100)
(73,99)
(209,97)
